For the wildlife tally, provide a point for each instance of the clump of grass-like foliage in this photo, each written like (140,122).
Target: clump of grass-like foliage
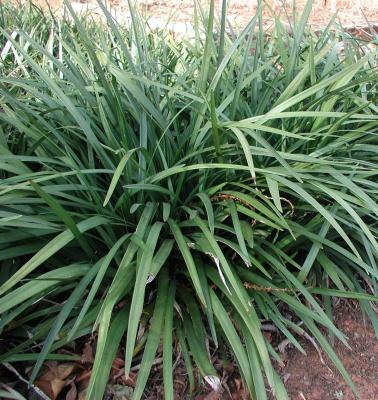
(179,191)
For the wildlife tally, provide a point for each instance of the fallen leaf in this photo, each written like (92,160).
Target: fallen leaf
(239,393)
(120,392)
(72,393)
(65,370)
(87,355)
(82,395)
(268,336)
(51,388)
(118,363)
(118,376)
(54,377)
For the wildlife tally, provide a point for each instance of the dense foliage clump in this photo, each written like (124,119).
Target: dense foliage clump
(180,190)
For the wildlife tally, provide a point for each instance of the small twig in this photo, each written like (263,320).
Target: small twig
(302,395)
(309,338)
(157,361)
(224,196)
(36,389)
(282,345)
(286,201)
(269,327)
(227,390)
(264,288)
(252,286)
(178,358)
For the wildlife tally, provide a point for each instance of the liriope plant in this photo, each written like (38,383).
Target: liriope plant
(171,193)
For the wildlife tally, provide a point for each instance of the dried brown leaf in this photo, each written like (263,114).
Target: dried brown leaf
(87,356)
(54,377)
(72,393)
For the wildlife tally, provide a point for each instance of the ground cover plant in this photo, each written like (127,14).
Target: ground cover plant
(170,194)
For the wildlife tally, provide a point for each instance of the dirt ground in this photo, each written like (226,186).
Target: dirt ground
(240,12)
(308,379)
(350,13)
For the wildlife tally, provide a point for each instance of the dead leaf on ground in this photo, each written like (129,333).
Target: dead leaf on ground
(117,374)
(120,392)
(239,393)
(72,393)
(54,377)
(83,395)
(87,356)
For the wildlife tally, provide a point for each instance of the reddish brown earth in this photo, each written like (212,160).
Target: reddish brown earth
(308,379)
(350,13)
(240,12)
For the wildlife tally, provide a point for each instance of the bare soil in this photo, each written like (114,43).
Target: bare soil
(240,12)
(307,378)
(179,13)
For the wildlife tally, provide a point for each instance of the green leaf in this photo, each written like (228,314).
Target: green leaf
(233,339)
(187,256)
(209,209)
(117,174)
(40,285)
(274,192)
(61,318)
(168,346)
(102,364)
(136,308)
(50,249)
(63,215)
(154,334)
